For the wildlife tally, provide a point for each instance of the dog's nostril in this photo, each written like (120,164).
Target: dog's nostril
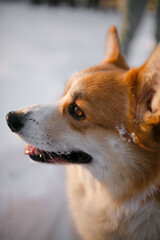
(15,120)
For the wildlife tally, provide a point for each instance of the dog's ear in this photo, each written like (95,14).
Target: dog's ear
(145,95)
(112,49)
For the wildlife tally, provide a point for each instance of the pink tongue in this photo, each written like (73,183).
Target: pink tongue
(29,150)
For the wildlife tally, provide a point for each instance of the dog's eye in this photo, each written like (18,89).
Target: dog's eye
(76,112)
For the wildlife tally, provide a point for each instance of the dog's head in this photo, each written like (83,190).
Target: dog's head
(108,117)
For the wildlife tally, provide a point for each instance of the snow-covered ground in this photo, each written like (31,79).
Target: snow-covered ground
(40,47)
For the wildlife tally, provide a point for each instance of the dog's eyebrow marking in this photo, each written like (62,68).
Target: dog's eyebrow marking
(76,96)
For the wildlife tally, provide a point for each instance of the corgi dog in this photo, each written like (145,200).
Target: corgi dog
(106,129)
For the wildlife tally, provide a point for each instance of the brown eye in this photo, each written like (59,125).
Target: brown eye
(76,112)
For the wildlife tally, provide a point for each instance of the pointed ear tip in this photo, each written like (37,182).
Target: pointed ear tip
(112,29)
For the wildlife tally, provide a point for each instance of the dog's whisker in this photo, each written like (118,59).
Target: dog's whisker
(59,148)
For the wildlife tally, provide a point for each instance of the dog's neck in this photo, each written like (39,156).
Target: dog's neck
(127,187)
(119,196)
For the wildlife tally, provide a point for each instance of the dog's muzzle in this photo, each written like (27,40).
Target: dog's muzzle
(16,120)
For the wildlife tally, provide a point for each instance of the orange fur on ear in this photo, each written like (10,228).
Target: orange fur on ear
(113,53)
(144,87)
(148,84)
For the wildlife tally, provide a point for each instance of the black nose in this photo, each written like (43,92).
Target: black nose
(15,120)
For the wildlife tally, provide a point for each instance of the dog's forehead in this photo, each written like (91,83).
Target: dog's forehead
(93,82)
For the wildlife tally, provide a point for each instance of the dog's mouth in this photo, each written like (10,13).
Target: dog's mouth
(57,158)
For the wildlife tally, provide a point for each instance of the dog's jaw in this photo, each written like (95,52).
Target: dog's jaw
(74,157)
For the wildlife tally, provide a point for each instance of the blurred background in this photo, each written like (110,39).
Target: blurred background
(42,42)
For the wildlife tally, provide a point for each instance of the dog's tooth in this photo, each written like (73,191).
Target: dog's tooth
(36,151)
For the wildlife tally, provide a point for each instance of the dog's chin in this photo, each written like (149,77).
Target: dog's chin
(75,157)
